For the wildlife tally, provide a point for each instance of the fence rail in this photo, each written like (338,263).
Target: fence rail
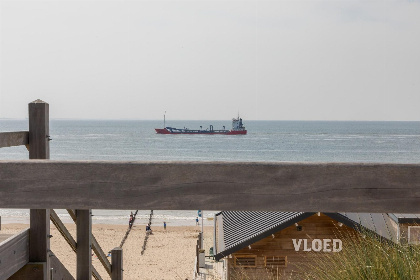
(9,139)
(311,187)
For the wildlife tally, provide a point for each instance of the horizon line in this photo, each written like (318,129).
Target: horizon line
(128,119)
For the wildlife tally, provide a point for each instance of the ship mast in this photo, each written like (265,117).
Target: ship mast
(164,120)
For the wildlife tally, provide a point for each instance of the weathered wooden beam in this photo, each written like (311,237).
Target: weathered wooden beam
(101,255)
(96,247)
(39,130)
(117,264)
(39,148)
(316,187)
(9,139)
(84,244)
(95,274)
(72,214)
(31,271)
(63,230)
(14,254)
(58,270)
(39,245)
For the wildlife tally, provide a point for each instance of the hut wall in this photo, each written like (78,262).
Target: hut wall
(314,227)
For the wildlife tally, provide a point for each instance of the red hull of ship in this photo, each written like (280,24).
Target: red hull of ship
(235,132)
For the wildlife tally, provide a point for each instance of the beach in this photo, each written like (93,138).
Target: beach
(169,254)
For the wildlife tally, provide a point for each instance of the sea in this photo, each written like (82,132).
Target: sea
(266,141)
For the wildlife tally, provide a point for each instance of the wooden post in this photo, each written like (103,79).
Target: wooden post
(117,264)
(197,257)
(84,244)
(39,130)
(39,148)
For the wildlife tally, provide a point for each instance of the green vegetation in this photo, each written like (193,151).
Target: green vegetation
(365,256)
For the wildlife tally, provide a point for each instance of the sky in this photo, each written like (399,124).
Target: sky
(209,60)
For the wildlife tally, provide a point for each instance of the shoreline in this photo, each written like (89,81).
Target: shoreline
(118,217)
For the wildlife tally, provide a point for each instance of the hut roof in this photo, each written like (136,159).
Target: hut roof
(405,218)
(238,229)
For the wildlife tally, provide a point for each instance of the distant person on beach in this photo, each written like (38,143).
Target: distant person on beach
(130,221)
(164,225)
(197,222)
(149,229)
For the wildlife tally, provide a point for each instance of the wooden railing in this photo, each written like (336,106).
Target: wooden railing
(37,261)
(14,254)
(9,139)
(312,187)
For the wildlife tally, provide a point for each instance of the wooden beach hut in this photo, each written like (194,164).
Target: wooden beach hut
(257,244)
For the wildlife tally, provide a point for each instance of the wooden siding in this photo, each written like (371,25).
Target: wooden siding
(314,227)
(334,187)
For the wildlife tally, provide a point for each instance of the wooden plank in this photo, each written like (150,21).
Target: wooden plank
(101,255)
(72,214)
(84,244)
(31,271)
(59,271)
(63,230)
(117,263)
(14,254)
(329,187)
(17,138)
(95,274)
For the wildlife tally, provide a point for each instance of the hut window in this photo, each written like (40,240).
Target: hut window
(275,261)
(414,235)
(246,261)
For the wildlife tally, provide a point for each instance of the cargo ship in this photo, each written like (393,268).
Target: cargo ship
(237,129)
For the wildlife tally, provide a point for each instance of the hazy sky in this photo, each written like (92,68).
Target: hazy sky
(269,60)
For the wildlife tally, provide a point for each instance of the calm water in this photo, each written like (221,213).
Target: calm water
(302,141)
(397,142)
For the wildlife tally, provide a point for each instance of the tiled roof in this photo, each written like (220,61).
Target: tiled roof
(238,229)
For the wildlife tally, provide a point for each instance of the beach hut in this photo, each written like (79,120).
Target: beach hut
(255,244)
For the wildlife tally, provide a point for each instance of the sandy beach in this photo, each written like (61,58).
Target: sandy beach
(169,254)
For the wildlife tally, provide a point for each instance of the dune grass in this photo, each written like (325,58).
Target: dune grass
(365,256)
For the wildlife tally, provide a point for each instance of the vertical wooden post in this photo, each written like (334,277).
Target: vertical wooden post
(39,148)
(197,246)
(117,264)
(84,244)
(39,130)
